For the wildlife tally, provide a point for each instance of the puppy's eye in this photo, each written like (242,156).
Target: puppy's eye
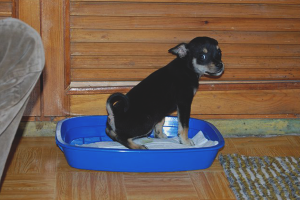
(203,57)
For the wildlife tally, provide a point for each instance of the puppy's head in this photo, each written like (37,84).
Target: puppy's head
(204,55)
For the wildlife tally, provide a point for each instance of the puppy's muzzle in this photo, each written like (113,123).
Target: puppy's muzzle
(220,65)
(219,70)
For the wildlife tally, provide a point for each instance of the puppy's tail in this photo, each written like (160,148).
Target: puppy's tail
(117,102)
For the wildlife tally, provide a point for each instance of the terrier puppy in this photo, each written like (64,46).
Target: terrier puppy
(144,108)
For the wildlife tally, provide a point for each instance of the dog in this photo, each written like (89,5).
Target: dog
(144,108)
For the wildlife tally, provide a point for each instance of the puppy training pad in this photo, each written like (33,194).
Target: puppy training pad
(155,143)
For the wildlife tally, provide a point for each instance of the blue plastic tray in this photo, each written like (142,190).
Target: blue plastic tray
(89,129)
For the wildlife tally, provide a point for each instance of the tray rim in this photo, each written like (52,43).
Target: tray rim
(62,144)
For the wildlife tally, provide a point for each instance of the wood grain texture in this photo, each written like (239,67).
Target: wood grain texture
(211,1)
(156,62)
(202,185)
(126,40)
(52,35)
(110,39)
(37,156)
(183,23)
(136,49)
(160,187)
(98,185)
(28,187)
(88,104)
(125,86)
(67,40)
(5,9)
(185,10)
(140,74)
(29,12)
(65,182)
(172,36)
(102,87)
(116,62)
(248,102)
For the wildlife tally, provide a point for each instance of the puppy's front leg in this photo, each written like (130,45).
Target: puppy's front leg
(183,114)
(158,130)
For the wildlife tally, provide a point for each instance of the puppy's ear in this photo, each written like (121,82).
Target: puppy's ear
(180,50)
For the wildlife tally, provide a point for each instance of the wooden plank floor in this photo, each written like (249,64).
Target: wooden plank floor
(38,170)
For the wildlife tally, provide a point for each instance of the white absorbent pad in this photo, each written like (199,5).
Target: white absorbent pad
(155,143)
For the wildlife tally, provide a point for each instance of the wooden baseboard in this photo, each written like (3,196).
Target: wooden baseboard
(227,127)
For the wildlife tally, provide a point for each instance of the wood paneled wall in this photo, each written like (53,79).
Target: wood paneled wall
(124,41)
(6,8)
(115,42)
(24,7)
(96,47)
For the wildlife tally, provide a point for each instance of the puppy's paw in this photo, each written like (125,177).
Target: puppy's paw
(143,147)
(139,147)
(187,142)
(132,145)
(192,142)
(160,135)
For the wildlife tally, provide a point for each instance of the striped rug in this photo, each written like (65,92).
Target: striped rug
(262,177)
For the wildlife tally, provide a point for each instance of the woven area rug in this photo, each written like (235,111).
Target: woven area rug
(262,177)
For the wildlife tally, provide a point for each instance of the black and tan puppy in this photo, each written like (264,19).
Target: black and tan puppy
(166,90)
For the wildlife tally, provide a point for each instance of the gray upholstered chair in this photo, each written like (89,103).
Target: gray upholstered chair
(22,60)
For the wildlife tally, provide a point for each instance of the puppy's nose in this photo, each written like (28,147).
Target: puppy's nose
(219,65)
